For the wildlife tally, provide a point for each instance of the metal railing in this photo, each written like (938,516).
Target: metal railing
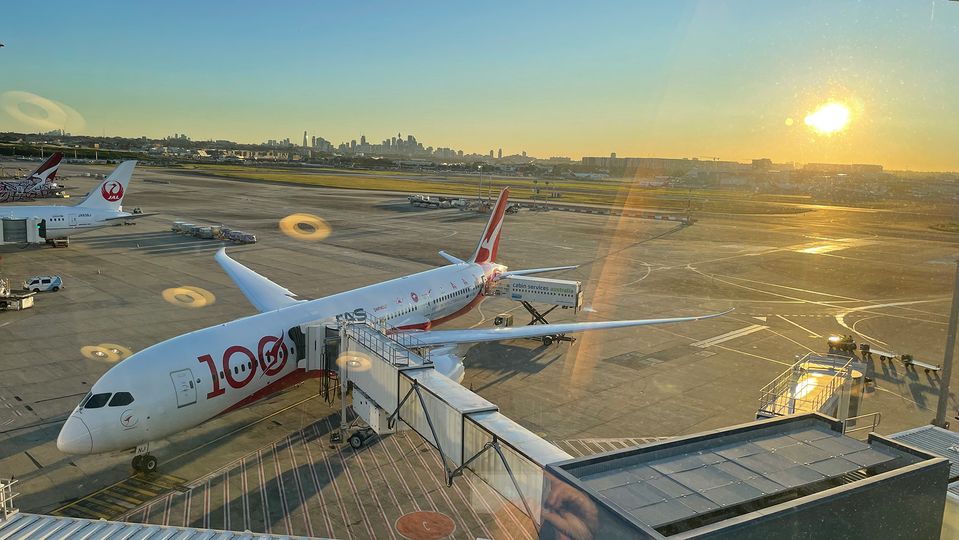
(874,419)
(806,386)
(396,348)
(6,498)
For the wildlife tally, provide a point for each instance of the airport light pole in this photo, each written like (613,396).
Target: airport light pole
(947,358)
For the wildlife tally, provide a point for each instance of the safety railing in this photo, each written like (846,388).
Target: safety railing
(806,386)
(396,348)
(6,498)
(868,422)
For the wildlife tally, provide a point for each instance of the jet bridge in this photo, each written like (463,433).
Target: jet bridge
(395,387)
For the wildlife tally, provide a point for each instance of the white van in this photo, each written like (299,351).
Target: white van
(43,283)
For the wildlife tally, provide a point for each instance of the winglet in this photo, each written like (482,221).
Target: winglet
(451,258)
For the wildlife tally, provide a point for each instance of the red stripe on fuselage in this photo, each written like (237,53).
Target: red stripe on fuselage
(458,313)
(295,377)
(300,375)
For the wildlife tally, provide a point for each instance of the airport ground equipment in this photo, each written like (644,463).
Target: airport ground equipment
(527,290)
(13,301)
(907,360)
(841,344)
(828,384)
(395,386)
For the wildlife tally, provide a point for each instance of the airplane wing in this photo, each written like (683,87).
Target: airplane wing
(479,335)
(261,292)
(131,216)
(534,271)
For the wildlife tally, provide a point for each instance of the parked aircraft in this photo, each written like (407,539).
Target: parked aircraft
(221,368)
(39,183)
(102,207)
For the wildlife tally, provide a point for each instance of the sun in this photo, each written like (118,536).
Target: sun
(829,118)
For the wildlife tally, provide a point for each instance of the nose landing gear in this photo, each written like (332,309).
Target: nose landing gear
(144,463)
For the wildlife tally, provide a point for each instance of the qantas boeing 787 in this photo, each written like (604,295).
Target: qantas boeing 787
(218,369)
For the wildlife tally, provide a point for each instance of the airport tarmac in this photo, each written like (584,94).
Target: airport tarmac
(793,280)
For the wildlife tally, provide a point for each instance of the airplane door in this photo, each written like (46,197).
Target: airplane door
(73,220)
(184,387)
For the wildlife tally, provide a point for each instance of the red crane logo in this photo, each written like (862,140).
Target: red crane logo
(112,191)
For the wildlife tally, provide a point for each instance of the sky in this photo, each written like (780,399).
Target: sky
(711,78)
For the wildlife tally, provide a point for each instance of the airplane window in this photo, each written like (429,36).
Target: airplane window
(97,400)
(236,370)
(85,398)
(221,374)
(121,398)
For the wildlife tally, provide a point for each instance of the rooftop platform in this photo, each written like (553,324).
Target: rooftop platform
(738,478)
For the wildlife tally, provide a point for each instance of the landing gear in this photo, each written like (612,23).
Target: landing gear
(144,463)
(359,438)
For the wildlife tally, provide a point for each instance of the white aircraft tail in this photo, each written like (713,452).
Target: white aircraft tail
(489,242)
(109,194)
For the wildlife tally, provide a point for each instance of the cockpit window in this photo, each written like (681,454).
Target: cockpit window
(85,399)
(97,400)
(120,399)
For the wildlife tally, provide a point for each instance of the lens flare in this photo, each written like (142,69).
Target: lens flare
(305,227)
(39,112)
(829,118)
(105,352)
(189,297)
(353,361)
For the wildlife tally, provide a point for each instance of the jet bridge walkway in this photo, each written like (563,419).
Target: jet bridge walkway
(395,387)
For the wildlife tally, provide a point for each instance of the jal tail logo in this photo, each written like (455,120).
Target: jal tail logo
(112,191)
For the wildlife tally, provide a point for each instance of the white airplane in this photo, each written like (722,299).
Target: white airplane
(102,207)
(218,369)
(39,183)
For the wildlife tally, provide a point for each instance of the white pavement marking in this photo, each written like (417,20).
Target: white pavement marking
(803,328)
(841,316)
(715,340)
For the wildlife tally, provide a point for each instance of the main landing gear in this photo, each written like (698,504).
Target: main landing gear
(144,463)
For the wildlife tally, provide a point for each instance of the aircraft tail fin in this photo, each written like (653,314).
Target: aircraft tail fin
(47,171)
(109,194)
(489,242)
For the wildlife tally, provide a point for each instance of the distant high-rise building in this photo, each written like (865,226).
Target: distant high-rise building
(499,155)
(491,153)
(353,144)
(612,155)
(363,140)
(524,153)
(304,139)
(313,142)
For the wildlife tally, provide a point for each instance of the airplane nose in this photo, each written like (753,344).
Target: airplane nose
(75,437)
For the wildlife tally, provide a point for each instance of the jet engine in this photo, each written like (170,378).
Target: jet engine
(448,362)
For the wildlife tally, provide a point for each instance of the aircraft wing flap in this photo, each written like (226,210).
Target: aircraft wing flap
(480,335)
(260,291)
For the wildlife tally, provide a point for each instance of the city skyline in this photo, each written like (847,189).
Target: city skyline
(729,79)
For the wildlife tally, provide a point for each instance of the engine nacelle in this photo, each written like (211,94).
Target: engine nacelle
(446,361)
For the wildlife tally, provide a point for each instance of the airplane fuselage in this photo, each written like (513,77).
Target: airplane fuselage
(64,221)
(184,381)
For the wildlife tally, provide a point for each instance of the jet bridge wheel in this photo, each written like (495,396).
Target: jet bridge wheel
(359,437)
(356,441)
